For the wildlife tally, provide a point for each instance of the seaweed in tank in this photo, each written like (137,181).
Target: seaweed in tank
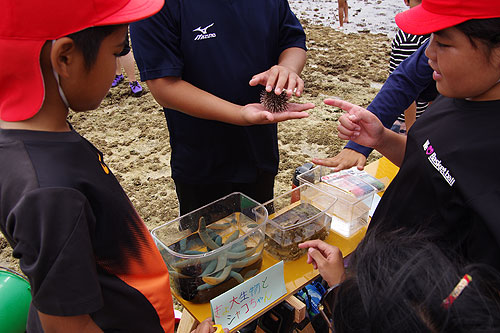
(283,243)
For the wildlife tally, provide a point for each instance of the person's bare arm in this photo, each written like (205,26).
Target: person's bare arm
(392,146)
(410,115)
(293,58)
(63,324)
(175,93)
(346,159)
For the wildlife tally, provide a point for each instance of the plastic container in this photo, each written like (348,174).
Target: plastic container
(15,299)
(354,196)
(378,184)
(213,248)
(293,222)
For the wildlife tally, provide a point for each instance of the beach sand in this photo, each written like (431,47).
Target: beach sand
(132,133)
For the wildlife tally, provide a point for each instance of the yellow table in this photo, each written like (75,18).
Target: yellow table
(299,273)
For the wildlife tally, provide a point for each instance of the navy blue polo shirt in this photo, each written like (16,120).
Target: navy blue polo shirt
(217,46)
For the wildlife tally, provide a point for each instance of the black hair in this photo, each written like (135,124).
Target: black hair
(397,281)
(89,40)
(485,30)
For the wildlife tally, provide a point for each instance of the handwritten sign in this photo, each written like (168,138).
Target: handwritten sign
(248,298)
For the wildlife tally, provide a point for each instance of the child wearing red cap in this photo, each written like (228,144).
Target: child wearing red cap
(90,259)
(448,181)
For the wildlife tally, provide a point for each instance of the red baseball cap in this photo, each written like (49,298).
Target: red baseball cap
(25,26)
(434,15)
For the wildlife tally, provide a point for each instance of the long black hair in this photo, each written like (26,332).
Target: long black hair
(397,281)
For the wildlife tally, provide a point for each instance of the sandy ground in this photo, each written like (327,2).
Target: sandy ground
(132,133)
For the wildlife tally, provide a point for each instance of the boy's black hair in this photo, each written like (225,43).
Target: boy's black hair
(485,30)
(89,40)
(397,281)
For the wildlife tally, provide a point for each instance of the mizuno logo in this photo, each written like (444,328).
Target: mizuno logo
(204,34)
(204,30)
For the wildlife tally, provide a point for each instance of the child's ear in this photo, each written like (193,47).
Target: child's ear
(63,55)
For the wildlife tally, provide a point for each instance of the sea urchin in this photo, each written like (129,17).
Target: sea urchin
(274,103)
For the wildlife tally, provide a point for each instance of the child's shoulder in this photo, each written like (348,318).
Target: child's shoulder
(51,157)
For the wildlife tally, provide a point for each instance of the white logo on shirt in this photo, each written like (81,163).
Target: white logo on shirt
(204,34)
(436,163)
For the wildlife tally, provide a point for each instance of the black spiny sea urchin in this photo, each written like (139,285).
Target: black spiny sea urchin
(274,103)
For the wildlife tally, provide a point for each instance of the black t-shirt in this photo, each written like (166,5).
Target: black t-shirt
(79,240)
(449,180)
(217,46)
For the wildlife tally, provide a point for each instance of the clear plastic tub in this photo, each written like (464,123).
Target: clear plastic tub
(378,184)
(213,248)
(293,222)
(354,196)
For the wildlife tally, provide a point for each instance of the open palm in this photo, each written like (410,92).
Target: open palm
(256,114)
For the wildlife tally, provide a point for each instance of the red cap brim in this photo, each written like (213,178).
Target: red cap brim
(23,93)
(418,21)
(134,10)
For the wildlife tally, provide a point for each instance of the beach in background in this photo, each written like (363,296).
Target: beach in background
(372,16)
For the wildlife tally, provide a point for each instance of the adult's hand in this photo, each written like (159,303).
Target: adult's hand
(327,259)
(346,159)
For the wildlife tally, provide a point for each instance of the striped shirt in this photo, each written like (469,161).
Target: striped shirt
(404,45)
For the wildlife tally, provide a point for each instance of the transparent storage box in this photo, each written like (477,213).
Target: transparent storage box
(292,222)
(213,248)
(354,190)
(378,184)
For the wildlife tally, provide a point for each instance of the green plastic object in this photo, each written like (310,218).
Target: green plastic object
(15,299)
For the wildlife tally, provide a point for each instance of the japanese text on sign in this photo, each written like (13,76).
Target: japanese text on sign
(248,298)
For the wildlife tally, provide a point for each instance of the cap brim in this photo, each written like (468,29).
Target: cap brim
(418,21)
(134,10)
(22,95)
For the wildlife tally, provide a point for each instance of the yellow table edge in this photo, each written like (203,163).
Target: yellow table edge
(299,273)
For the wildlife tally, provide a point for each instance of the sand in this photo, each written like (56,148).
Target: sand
(132,132)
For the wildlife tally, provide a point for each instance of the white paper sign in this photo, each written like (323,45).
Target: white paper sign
(248,298)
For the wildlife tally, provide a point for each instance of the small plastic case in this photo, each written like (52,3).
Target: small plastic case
(292,221)
(354,196)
